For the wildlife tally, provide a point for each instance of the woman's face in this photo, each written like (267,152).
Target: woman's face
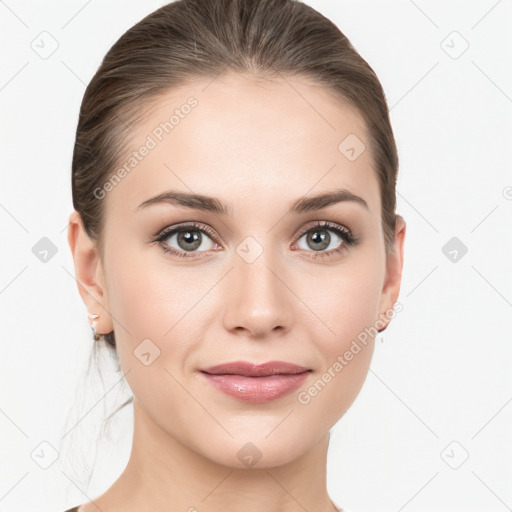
(255,278)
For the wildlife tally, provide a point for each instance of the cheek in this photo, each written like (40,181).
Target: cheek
(146,296)
(146,302)
(345,301)
(348,309)
(135,294)
(335,386)
(151,300)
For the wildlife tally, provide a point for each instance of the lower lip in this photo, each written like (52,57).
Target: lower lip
(257,389)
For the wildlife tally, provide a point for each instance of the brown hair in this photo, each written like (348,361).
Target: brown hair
(189,39)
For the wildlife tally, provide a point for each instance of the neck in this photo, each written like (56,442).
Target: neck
(163,473)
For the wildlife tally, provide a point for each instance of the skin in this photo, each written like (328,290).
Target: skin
(258,146)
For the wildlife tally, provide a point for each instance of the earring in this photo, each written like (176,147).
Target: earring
(94,316)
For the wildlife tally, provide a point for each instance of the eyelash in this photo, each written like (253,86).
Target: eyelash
(344,233)
(192,226)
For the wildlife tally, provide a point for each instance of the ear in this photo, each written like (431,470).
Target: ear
(393,279)
(89,274)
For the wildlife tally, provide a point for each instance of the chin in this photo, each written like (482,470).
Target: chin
(266,444)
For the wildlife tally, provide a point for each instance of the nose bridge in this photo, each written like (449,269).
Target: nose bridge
(258,300)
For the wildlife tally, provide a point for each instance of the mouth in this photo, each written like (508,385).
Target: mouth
(256,383)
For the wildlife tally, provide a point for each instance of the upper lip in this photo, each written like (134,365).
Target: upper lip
(248,369)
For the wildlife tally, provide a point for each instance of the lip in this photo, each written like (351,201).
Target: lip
(256,383)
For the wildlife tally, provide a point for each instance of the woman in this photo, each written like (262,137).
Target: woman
(236,244)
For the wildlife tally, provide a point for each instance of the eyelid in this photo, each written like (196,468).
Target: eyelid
(328,225)
(168,230)
(163,233)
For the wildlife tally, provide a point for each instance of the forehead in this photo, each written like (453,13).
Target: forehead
(237,136)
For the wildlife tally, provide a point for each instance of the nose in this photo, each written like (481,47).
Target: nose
(257,301)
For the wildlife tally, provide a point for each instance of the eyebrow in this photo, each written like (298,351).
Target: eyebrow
(214,205)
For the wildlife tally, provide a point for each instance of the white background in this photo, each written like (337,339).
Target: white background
(440,378)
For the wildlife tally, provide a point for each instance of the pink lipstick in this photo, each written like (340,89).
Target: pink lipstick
(256,383)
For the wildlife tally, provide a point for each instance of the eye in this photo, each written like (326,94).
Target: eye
(325,239)
(187,238)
